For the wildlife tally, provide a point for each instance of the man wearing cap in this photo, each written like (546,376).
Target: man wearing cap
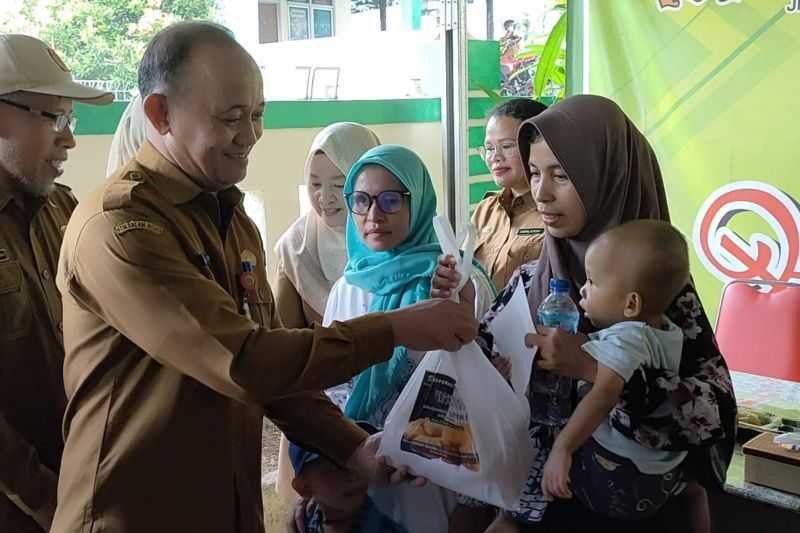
(174,351)
(36,122)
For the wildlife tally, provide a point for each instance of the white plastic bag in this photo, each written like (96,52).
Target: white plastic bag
(508,329)
(457,422)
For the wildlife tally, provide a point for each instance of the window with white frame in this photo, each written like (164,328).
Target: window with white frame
(310,19)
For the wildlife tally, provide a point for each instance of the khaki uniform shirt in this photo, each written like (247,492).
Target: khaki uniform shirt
(293,310)
(168,377)
(32,397)
(510,234)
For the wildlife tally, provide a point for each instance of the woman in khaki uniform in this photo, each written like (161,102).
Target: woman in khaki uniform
(510,229)
(312,254)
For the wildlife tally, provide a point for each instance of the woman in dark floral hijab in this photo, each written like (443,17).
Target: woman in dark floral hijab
(591,170)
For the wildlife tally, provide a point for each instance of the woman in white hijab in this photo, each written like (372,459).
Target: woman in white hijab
(311,254)
(129,136)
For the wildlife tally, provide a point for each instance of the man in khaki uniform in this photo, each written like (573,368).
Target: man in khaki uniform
(36,94)
(511,233)
(174,351)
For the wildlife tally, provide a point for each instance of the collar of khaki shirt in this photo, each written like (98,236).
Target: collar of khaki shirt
(511,203)
(32,204)
(174,183)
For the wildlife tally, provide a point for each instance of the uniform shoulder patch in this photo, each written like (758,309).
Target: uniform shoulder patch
(119,192)
(131,225)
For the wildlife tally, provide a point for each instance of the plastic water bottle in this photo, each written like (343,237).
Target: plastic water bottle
(551,394)
(558,310)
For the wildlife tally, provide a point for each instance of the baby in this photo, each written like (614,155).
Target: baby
(633,274)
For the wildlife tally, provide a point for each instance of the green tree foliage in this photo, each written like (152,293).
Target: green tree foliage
(105,39)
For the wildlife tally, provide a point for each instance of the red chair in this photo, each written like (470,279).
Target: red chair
(759,332)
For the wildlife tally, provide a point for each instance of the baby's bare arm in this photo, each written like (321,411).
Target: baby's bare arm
(592,410)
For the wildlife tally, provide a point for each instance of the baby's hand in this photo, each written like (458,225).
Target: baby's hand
(555,481)
(503,365)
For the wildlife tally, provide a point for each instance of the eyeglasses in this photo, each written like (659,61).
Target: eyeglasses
(508,149)
(60,121)
(390,202)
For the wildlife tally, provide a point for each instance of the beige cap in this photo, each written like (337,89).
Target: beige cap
(28,64)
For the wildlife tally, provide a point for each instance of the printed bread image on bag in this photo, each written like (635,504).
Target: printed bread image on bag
(438,427)
(457,421)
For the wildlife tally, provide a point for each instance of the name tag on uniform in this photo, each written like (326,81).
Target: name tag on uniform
(131,225)
(530,231)
(4,255)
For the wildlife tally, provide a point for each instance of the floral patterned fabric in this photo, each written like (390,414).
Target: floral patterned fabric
(693,410)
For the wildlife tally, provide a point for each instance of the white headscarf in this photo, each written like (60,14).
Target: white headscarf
(129,136)
(312,253)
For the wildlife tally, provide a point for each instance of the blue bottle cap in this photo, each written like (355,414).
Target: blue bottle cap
(559,285)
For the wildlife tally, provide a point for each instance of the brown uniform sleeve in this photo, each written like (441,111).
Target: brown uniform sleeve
(288,301)
(23,478)
(141,283)
(342,435)
(327,431)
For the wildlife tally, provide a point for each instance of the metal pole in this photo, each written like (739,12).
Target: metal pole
(489,20)
(455,113)
(448,156)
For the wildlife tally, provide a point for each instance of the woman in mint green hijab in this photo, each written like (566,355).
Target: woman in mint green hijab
(392,253)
